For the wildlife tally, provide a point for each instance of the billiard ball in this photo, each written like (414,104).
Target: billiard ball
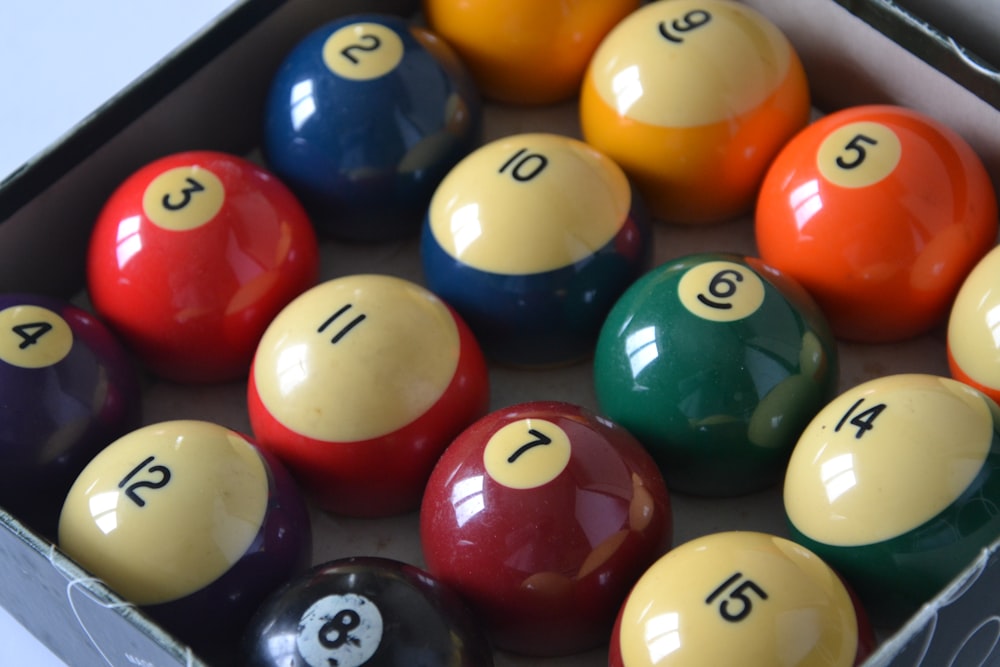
(740,597)
(716,362)
(542,515)
(973,348)
(879,212)
(190,521)
(526,52)
(192,256)
(895,485)
(359,384)
(694,98)
(369,611)
(532,238)
(363,119)
(67,389)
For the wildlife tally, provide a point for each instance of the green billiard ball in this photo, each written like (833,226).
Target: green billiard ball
(895,484)
(716,362)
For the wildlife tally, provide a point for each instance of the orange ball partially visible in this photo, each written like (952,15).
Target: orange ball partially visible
(880,212)
(529,52)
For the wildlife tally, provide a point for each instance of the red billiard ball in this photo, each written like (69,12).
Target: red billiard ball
(190,521)
(192,256)
(973,345)
(359,384)
(542,515)
(694,98)
(525,51)
(364,611)
(740,598)
(879,212)
(67,389)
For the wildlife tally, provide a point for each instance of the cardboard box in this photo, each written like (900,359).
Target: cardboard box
(207,96)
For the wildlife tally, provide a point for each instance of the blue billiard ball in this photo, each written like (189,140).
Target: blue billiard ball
(532,238)
(363,119)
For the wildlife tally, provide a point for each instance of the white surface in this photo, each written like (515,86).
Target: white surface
(20,647)
(60,60)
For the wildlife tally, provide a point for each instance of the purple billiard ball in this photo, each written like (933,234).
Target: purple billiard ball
(369,611)
(67,389)
(193,523)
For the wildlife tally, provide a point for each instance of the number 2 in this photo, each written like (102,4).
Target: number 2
(371,44)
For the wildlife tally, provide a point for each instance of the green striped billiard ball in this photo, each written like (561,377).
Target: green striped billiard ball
(716,362)
(895,484)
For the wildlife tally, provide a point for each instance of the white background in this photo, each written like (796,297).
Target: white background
(60,60)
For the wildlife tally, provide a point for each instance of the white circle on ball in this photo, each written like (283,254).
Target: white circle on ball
(341,630)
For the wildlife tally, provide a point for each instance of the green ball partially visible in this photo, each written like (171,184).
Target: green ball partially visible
(716,363)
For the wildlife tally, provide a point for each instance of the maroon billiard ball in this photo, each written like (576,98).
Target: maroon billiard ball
(740,598)
(67,389)
(364,611)
(192,522)
(192,256)
(359,384)
(542,515)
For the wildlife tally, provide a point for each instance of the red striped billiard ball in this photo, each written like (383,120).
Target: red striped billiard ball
(359,384)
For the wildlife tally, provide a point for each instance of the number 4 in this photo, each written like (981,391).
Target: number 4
(31,332)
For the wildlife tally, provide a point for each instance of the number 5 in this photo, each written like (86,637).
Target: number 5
(859,151)
(739,593)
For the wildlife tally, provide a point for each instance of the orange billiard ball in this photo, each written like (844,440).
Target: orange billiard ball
(526,51)
(693,98)
(740,598)
(880,212)
(973,344)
